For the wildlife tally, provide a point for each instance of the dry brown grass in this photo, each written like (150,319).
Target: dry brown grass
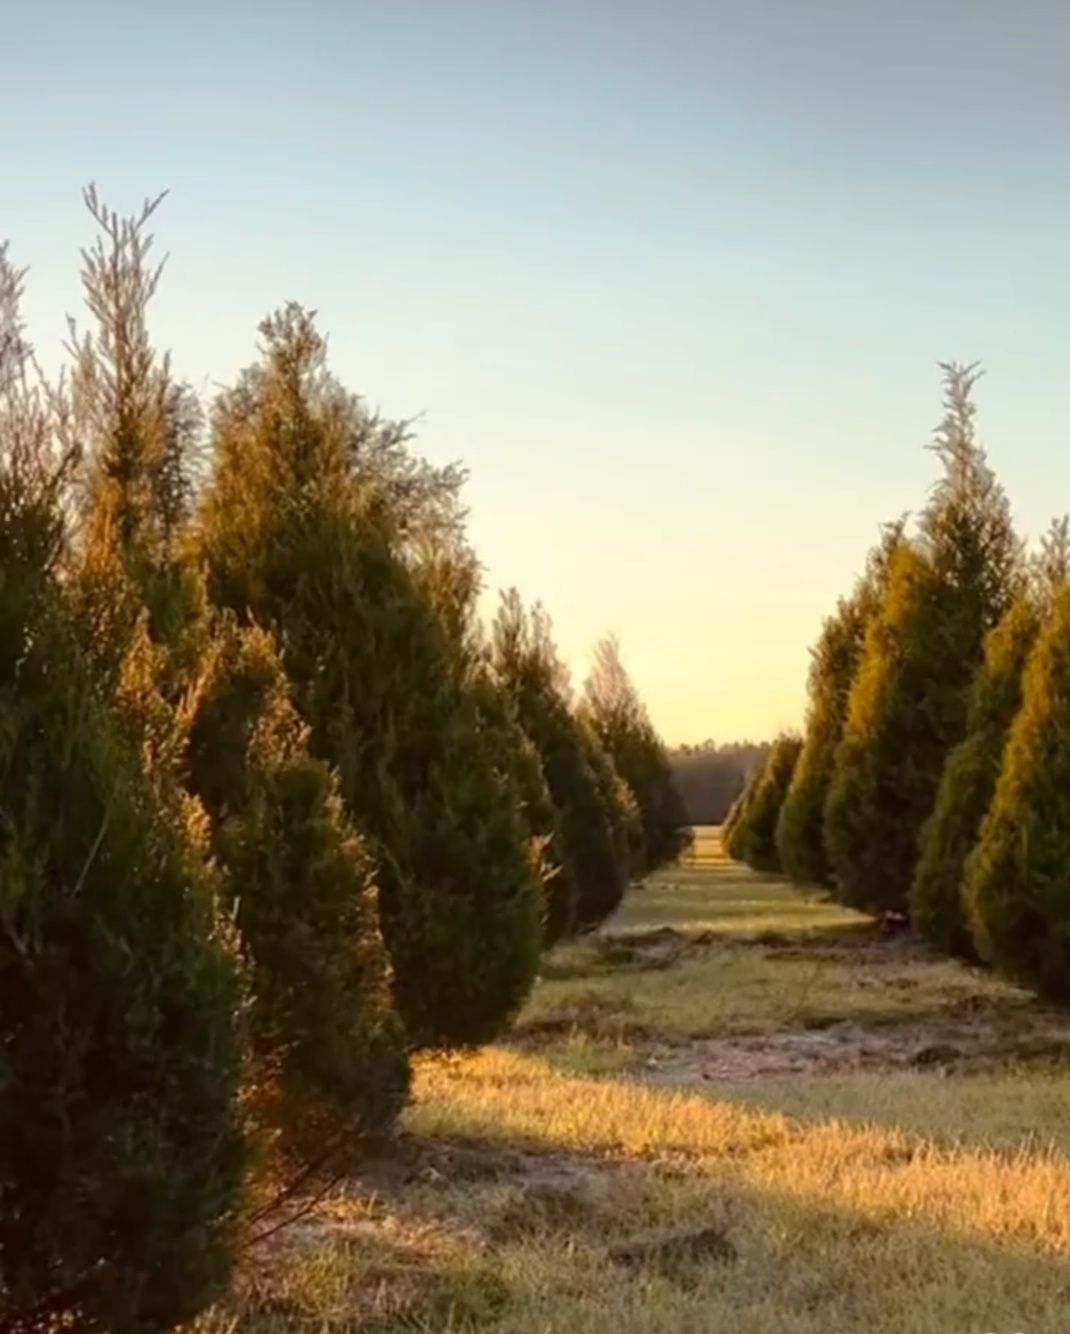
(887,1200)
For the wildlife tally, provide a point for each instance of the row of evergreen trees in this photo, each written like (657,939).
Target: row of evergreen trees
(274,810)
(933,777)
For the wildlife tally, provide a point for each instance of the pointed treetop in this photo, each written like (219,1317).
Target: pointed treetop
(34,471)
(14,349)
(967,527)
(1051,564)
(523,643)
(124,400)
(609,690)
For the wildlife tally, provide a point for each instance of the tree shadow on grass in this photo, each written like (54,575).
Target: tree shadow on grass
(568,1240)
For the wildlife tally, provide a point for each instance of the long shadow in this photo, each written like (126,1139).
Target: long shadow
(813,1263)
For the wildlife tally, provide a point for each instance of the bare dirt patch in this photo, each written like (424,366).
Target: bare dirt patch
(651,950)
(972,1035)
(632,951)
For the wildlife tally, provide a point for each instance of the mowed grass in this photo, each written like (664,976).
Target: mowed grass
(883,1200)
(745,978)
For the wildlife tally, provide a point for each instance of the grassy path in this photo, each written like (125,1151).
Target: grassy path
(736,1109)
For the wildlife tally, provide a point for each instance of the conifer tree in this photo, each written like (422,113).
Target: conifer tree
(801,828)
(1050,567)
(735,820)
(135,429)
(593,873)
(755,836)
(968,782)
(909,698)
(210,709)
(835,659)
(618,800)
(330,1048)
(1017,885)
(619,717)
(305,534)
(120,1149)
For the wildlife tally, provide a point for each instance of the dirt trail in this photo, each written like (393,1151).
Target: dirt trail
(972,1033)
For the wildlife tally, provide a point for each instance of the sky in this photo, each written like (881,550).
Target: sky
(671,279)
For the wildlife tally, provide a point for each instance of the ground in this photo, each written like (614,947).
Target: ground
(737,1108)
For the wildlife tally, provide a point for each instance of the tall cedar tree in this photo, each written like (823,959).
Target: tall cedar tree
(120,1153)
(909,699)
(1017,889)
(620,719)
(968,783)
(211,710)
(618,801)
(592,877)
(756,834)
(308,527)
(540,814)
(735,820)
(330,1046)
(835,659)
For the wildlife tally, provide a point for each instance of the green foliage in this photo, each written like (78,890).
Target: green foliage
(1017,888)
(210,707)
(327,1042)
(968,783)
(614,709)
(120,1154)
(135,428)
(593,872)
(800,835)
(544,823)
(755,836)
(801,826)
(1050,566)
(735,821)
(966,528)
(618,801)
(907,708)
(908,701)
(308,532)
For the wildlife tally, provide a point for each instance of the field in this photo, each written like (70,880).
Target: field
(736,1108)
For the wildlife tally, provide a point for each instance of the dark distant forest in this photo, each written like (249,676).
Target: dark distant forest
(709,776)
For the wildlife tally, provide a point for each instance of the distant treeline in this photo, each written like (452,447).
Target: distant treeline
(710,776)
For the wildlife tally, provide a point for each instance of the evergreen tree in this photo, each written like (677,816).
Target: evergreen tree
(618,801)
(968,782)
(1050,567)
(330,1049)
(735,820)
(619,717)
(210,708)
(834,663)
(1017,887)
(593,874)
(800,833)
(755,837)
(120,1150)
(909,698)
(135,430)
(516,757)
(304,534)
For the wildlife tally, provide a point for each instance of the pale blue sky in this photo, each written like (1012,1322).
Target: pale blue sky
(671,278)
